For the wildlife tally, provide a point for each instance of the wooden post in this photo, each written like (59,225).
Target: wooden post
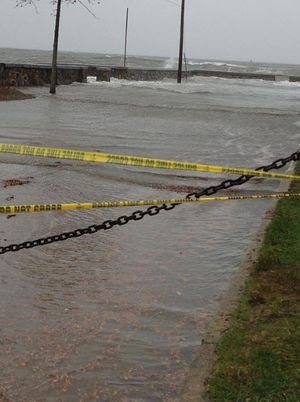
(126,35)
(179,73)
(55,49)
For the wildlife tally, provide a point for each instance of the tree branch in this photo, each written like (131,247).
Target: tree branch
(87,9)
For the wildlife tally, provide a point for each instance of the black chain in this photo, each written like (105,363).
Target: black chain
(151,211)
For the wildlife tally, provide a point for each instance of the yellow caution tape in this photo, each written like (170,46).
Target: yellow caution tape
(99,157)
(14,209)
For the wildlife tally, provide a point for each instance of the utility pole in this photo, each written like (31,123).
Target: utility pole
(55,49)
(179,74)
(186,67)
(126,35)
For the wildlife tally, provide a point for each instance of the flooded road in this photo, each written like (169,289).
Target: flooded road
(118,316)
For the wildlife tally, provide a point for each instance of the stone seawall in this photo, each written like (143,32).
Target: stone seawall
(154,75)
(21,75)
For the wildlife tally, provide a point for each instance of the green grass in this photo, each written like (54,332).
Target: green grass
(258,358)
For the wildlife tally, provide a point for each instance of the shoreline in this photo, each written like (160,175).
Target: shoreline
(195,388)
(24,75)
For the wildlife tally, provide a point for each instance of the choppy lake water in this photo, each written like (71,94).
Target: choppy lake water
(118,316)
(31,56)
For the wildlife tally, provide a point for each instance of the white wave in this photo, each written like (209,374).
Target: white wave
(194,85)
(91,80)
(286,84)
(114,83)
(215,63)
(269,71)
(171,63)
(168,85)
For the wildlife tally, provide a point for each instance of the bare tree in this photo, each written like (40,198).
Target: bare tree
(57,4)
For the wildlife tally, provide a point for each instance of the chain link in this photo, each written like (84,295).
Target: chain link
(151,211)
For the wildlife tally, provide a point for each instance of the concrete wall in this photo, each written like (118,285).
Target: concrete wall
(36,75)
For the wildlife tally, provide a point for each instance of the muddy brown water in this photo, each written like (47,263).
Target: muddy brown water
(118,316)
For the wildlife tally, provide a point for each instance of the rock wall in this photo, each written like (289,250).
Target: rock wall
(36,75)
(18,75)
(154,75)
(294,79)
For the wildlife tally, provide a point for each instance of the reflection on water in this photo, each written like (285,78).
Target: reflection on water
(119,315)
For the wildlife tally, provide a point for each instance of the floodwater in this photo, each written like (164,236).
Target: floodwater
(119,315)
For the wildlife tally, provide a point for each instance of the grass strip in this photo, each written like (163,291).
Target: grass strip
(257,359)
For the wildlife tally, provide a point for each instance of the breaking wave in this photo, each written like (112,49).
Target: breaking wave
(168,85)
(215,63)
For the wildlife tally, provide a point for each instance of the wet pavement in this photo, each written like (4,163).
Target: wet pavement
(118,316)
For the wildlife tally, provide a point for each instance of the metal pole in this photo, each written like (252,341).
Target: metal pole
(126,35)
(55,49)
(179,74)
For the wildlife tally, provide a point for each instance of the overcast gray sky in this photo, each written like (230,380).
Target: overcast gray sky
(258,30)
